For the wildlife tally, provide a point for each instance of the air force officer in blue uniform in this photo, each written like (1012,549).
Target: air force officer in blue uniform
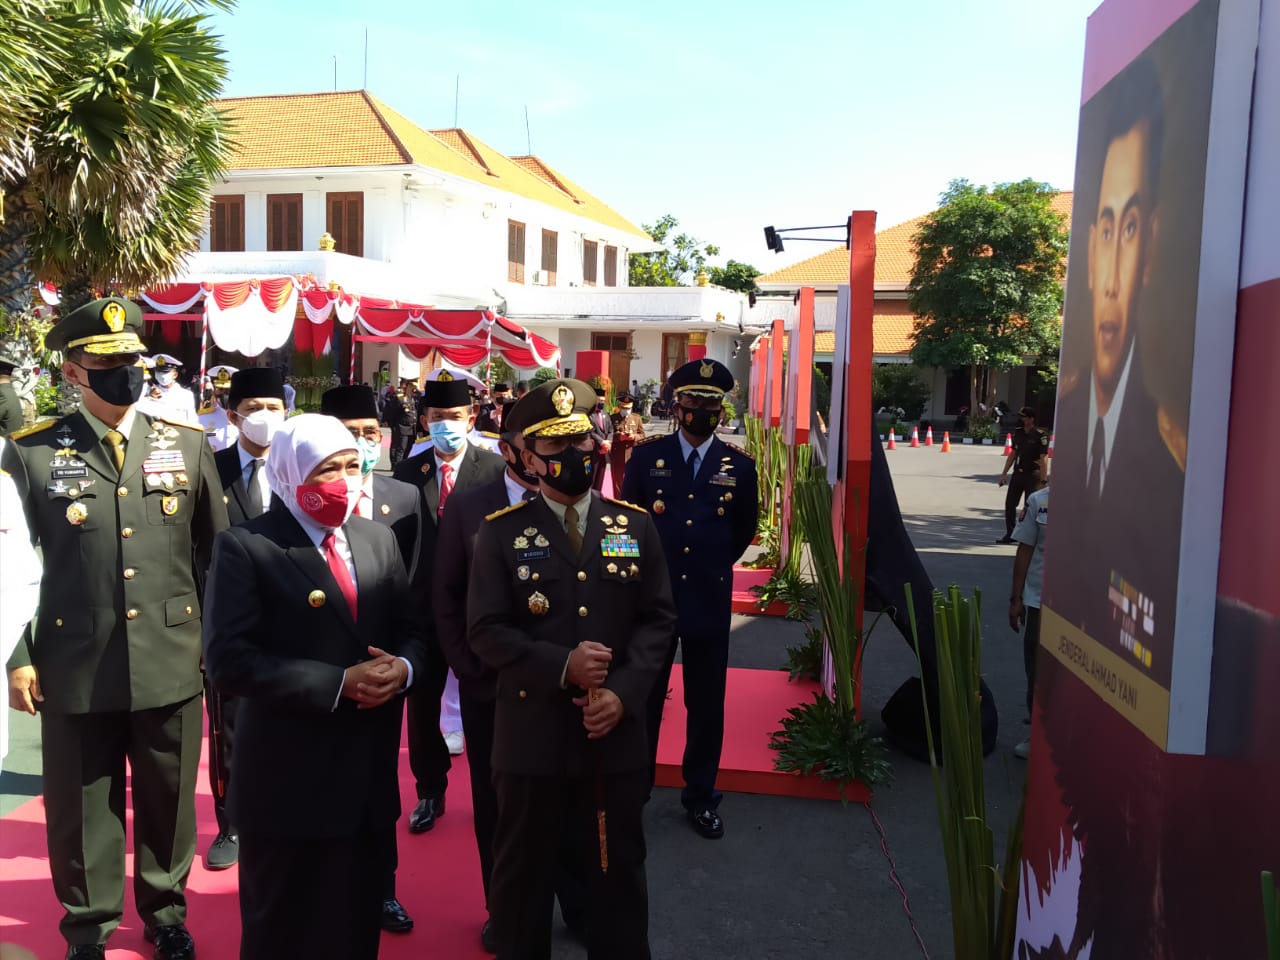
(702,495)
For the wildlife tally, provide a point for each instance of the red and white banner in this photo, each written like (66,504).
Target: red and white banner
(250,316)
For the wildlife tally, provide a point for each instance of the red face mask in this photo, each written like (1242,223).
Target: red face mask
(328,504)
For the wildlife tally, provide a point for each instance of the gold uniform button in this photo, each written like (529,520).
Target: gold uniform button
(720,511)
(582,611)
(684,576)
(524,694)
(122,492)
(582,574)
(536,577)
(130,573)
(686,549)
(188,611)
(58,622)
(132,615)
(127,532)
(688,523)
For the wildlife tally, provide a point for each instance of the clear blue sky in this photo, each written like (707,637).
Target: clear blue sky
(730,116)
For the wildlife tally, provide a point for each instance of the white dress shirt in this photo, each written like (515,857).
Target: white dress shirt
(687,448)
(515,492)
(1110,421)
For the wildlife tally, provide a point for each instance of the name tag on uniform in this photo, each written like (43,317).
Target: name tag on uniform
(533,554)
(620,545)
(655,472)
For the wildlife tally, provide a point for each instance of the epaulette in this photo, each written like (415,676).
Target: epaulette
(1174,437)
(491,436)
(656,436)
(740,451)
(198,427)
(505,510)
(205,409)
(624,503)
(34,428)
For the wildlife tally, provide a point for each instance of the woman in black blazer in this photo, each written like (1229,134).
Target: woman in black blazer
(308,620)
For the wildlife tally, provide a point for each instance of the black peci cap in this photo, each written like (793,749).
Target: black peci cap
(349,403)
(255,382)
(445,394)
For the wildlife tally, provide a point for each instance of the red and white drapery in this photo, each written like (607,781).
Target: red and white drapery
(463,337)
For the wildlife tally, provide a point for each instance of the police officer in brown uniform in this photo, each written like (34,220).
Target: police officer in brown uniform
(570,604)
(125,506)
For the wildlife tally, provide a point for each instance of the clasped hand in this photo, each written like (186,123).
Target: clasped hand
(589,668)
(374,682)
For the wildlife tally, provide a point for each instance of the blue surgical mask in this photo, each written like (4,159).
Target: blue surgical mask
(370,455)
(449,436)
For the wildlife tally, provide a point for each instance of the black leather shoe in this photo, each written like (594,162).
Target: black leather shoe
(425,814)
(488,937)
(172,942)
(707,823)
(395,919)
(86,951)
(224,852)
(1006,540)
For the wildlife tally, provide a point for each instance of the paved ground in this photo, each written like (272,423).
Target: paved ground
(795,878)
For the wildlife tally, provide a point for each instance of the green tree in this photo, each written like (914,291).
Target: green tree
(678,263)
(986,287)
(735,276)
(107,175)
(897,386)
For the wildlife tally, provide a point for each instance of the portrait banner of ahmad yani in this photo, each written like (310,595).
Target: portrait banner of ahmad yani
(1112,574)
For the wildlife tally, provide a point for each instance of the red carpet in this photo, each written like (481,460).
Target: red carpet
(438,882)
(744,601)
(755,703)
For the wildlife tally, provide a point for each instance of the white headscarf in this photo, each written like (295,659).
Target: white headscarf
(300,445)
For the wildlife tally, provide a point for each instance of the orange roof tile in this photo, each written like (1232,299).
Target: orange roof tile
(895,256)
(353,128)
(890,334)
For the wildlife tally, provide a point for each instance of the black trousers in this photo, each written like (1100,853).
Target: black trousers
(705,662)
(428,753)
(84,794)
(1030,647)
(311,896)
(570,877)
(222,729)
(539,818)
(1021,486)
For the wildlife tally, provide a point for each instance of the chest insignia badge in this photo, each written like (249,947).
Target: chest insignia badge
(77,513)
(538,604)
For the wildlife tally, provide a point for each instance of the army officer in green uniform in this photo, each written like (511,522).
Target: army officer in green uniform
(125,507)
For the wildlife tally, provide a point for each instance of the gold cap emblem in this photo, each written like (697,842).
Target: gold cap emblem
(444,376)
(706,370)
(113,316)
(316,598)
(562,400)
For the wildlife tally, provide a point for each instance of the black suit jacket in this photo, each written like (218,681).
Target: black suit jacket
(477,467)
(1133,529)
(278,634)
(529,605)
(601,426)
(398,507)
(705,524)
(455,548)
(231,476)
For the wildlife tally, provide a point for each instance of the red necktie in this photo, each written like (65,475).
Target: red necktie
(446,485)
(338,567)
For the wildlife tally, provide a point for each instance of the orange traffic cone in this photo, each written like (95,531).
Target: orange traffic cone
(946,441)
(1049,455)
(915,436)
(893,440)
(1008,444)
(928,436)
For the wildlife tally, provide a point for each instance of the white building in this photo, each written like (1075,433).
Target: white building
(442,219)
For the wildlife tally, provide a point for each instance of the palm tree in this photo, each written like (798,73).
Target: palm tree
(107,176)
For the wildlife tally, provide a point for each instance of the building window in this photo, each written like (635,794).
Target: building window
(619,347)
(226,224)
(284,221)
(610,266)
(589,258)
(550,244)
(675,353)
(345,222)
(515,251)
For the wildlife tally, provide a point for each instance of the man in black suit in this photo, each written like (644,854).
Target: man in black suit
(310,624)
(602,434)
(451,464)
(399,417)
(570,604)
(702,494)
(455,547)
(397,506)
(255,407)
(1117,479)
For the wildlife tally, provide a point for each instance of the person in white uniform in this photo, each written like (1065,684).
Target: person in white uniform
(166,397)
(218,429)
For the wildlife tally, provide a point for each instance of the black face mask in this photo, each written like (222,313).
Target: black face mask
(568,472)
(516,466)
(118,386)
(699,423)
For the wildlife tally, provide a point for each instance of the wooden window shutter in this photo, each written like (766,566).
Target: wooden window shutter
(345,221)
(550,255)
(515,251)
(284,221)
(589,257)
(226,224)
(610,266)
